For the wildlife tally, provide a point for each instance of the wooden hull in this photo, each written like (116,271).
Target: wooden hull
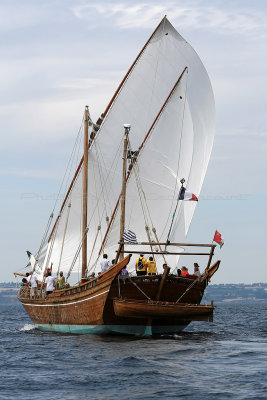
(159,309)
(89,308)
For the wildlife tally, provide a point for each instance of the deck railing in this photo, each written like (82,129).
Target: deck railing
(166,252)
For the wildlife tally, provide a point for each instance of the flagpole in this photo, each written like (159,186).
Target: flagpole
(173,215)
(127,128)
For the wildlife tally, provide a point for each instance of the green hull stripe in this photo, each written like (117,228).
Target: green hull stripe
(105,329)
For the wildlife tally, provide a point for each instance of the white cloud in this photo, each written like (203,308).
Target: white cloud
(200,15)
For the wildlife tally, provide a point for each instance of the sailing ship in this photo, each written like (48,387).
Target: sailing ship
(160,122)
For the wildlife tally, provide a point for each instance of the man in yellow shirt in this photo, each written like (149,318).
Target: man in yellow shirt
(151,267)
(141,265)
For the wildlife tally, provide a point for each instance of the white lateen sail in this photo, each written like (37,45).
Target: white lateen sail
(178,146)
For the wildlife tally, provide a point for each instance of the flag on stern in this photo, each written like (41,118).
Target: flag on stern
(185,195)
(218,239)
(129,236)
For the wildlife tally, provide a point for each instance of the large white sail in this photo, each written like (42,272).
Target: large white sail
(138,103)
(166,157)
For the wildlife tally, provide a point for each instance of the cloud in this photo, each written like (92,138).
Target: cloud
(200,15)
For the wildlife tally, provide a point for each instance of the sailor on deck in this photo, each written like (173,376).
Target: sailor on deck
(141,265)
(151,267)
(196,270)
(34,285)
(61,281)
(184,272)
(105,263)
(49,284)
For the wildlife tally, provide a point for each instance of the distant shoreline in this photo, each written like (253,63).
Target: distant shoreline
(225,293)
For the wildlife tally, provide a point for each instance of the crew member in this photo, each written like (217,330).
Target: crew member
(34,285)
(184,272)
(141,265)
(49,284)
(196,270)
(105,263)
(61,281)
(151,267)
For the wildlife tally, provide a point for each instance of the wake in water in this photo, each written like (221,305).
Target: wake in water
(27,327)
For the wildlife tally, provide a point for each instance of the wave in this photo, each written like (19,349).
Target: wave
(27,327)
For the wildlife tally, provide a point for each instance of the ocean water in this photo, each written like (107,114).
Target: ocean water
(226,359)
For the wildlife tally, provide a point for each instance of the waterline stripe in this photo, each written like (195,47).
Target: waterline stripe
(66,304)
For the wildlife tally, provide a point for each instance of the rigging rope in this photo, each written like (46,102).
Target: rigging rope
(97,202)
(189,287)
(70,162)
(138,287)
(143,201)
(43,240)
(63,240)
(101,177)
(93,266)
(52,242)
(94,177)
(76,254)
(69,166)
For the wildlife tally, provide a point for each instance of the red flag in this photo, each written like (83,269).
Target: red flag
(218,239)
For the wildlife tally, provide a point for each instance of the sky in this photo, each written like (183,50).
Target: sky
(56,56)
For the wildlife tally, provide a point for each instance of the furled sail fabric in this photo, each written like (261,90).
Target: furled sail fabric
(179,146)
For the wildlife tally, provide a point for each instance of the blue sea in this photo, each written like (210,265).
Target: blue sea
(226,359)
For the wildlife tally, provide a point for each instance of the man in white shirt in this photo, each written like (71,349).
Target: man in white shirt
(196,270)
(34,285)
(105,263)
(49,283)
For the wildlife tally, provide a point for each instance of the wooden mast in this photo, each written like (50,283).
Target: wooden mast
(127,128)
(85,194)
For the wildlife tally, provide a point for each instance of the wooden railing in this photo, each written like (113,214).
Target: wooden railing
(165,252)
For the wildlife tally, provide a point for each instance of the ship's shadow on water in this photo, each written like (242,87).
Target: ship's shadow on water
(226,359)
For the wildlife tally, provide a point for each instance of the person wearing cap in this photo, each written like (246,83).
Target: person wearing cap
(141,265)
(196,270)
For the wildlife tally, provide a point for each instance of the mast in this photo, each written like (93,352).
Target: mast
(85,194)
(127,128)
